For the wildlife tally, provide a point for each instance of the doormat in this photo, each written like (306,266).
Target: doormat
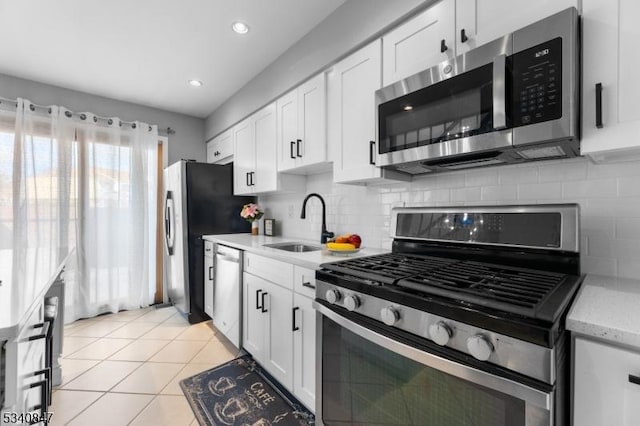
(241,393)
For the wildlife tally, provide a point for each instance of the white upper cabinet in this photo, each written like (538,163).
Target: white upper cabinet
(302,124)
(352,124)
(220,148)
(255,168)
(610,58)
(244,157)
(421,42)
(481,21)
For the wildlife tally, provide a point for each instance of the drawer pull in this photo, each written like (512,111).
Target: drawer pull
(258,307)
(294,327)
(45,331)
(308,285)
(599,105)
(634,379)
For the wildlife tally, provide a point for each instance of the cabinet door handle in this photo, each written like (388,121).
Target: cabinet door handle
(291,148)
(262,308)
(309,285)
(294,327)
(372,147)
(298,142)
(443,46)
(252,176)
(248,183)
(45,331)
(210,272)
(258,307)
(463,36)
(634,379)
(599,105)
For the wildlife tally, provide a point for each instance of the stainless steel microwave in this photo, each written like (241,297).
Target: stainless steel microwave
(512,100)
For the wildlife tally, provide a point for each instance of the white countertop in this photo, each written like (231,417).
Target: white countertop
(310,259)
(22,288)
(607,308)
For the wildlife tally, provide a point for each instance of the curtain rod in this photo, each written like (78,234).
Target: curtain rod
(83,116)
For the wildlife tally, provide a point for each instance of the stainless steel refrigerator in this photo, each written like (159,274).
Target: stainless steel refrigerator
(198,201)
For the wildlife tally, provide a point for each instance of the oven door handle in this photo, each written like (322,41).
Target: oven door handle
(528,394)
(500,92)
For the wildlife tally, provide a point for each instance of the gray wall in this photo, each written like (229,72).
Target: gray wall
(187,142)
(350,26)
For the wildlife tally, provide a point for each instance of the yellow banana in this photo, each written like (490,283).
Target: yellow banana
(341,246)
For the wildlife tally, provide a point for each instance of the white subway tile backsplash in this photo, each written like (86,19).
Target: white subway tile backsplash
(502,193)
(537,191)
(449,180)
(574,169)
(628,229)
(629,187)
(607,194)
(513,174)
(466,194)
(390,197)
(629,268)
(482,178)
(603,188)
(599,265)
(436,195)
(616,170)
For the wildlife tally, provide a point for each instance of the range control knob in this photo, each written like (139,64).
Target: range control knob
(440,333)
(479,347)
(352,302)
(390,315)
(333,296)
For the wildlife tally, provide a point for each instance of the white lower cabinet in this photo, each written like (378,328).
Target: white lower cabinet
(606,385)
(279,325)
(208,278)
(304,350)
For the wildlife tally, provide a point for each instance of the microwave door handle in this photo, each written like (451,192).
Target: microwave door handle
(499,92)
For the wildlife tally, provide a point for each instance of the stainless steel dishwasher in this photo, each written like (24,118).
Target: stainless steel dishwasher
(227,292)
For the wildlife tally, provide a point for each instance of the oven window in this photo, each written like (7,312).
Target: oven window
(457,107)
(363,383)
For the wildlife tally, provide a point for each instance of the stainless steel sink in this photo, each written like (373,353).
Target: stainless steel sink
(293,247)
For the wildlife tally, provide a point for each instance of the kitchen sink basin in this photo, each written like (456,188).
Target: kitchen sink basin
(293,247)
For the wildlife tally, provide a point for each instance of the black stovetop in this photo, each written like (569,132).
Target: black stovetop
(525,302)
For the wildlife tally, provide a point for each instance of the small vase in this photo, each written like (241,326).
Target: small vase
(254,227)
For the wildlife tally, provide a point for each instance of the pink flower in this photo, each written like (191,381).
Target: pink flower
(251,212)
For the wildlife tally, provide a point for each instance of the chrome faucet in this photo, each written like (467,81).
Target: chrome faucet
(325,234)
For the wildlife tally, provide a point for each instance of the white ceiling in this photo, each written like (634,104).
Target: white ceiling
(145,51)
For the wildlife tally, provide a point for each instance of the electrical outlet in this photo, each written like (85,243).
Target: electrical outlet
(290,211)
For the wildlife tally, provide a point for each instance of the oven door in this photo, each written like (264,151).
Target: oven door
(457,107)
(365,377)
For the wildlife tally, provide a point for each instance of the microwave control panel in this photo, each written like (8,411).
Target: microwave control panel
(537,83)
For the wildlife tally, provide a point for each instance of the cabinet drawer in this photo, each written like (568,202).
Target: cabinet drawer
(278,272)
(304,281)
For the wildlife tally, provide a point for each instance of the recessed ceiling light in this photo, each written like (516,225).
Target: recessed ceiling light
(408,108)
(195,83)
(240,27)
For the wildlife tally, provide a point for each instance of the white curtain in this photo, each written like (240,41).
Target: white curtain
(78,180)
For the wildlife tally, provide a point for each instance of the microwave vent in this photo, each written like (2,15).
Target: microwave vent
(542,152)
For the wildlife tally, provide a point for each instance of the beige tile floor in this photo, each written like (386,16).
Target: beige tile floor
(125,368)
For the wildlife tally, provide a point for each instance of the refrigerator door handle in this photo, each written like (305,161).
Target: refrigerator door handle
(169,222)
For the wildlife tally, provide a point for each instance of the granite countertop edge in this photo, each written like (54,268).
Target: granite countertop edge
(606,309)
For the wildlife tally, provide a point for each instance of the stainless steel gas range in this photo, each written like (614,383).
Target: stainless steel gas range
(462,324)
